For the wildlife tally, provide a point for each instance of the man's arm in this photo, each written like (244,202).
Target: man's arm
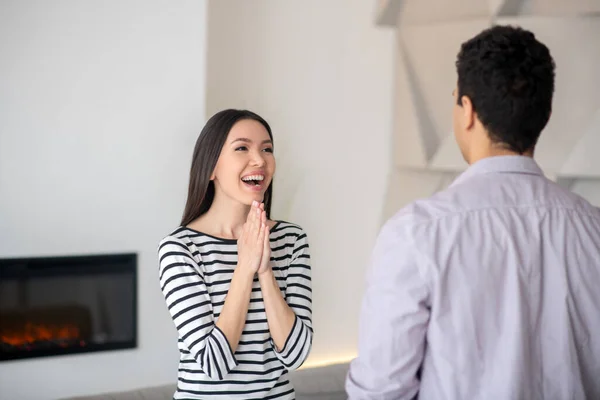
(393,322)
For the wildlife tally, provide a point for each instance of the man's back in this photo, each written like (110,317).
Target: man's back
(509,273)
(516,297)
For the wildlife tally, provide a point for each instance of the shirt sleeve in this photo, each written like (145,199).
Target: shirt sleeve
(298,295)
(393,322)
(190,307)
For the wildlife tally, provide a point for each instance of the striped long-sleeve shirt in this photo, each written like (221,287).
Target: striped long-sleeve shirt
(195,272)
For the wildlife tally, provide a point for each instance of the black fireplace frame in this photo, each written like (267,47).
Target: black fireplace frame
(14,268)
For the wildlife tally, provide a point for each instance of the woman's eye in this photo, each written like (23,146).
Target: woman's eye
(268,150)
(241,148)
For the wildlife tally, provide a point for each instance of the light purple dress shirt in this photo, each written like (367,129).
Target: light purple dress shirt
(491,288)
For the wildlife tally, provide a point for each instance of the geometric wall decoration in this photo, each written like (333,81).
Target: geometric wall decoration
(428,37)
(583,160)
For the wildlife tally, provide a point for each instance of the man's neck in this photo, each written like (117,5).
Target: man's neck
(495,151)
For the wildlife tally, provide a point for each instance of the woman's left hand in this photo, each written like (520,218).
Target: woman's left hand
(265,262)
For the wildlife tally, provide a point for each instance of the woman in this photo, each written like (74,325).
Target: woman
(237,284)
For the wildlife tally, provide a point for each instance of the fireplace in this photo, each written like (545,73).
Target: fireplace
(64,305)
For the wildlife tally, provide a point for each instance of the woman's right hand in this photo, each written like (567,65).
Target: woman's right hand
(251,241)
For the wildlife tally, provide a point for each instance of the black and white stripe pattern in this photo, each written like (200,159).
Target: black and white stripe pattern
(195,275)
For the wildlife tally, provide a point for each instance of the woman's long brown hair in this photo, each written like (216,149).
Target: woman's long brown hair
(201,190)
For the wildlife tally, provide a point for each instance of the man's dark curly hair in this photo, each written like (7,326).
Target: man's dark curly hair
(509,77)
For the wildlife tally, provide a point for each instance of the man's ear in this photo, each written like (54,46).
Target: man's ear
(468,112)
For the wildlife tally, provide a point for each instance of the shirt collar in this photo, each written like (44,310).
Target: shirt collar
(501,164)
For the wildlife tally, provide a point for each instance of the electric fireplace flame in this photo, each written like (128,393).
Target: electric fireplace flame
(32,333)
(45,328)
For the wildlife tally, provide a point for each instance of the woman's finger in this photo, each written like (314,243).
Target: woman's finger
(267,241)
(257,221)
(249,216)
(252,218)
(261,234)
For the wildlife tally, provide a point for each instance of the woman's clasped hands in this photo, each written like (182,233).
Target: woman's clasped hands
(254,247)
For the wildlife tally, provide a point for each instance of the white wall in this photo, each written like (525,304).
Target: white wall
(100,106)
(321,73)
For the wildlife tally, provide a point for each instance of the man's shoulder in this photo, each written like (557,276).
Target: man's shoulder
(481,195)
(561,197)
(429,209)
(459,198)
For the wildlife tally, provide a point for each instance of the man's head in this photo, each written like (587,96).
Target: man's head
(503,98)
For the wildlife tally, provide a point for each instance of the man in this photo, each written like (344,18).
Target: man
(491,288)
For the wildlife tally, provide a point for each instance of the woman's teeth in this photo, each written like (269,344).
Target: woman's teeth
(254,179)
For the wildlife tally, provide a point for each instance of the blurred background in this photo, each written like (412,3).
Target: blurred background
(101,103)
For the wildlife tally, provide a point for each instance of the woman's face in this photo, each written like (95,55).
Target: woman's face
(246,164)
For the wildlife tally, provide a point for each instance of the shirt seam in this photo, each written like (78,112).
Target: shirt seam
(482,209)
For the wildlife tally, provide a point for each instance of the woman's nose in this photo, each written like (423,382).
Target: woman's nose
(258,159)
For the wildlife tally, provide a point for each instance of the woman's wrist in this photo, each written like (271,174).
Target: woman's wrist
(265,275)
(244,274)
